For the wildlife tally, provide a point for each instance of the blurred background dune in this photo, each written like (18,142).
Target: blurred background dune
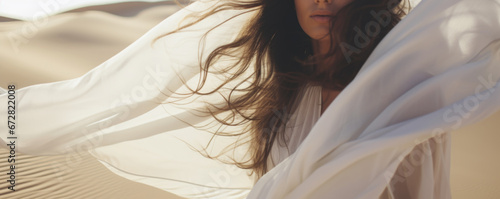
(70,44)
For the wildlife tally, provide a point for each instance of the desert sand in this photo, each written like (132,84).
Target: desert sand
(70,44)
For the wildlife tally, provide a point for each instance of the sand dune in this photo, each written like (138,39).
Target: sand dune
(71,176)
(70,44)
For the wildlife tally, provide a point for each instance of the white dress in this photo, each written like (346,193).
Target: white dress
(423,173)
(298,127)
(385,135)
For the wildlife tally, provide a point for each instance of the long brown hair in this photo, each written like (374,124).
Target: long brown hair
(276,48)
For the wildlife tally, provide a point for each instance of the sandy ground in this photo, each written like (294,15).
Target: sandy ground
(69,44)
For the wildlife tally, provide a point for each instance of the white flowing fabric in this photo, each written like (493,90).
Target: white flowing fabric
(385,136)
(34,10)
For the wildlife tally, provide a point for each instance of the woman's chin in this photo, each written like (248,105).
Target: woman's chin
(321,38)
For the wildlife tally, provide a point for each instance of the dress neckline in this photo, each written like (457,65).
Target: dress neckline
(321,99)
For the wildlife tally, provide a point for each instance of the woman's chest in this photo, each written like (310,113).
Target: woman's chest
(327,97)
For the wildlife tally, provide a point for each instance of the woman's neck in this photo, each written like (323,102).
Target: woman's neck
(321,47)
(327,95)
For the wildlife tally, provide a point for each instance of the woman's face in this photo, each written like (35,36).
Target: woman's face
(314,16)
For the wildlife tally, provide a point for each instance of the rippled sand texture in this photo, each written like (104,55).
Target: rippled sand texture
(70,44)
(72,176)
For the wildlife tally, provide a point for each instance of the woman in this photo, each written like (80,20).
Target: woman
(361,134)
(293,45)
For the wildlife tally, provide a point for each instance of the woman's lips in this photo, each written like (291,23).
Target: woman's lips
(322,18)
